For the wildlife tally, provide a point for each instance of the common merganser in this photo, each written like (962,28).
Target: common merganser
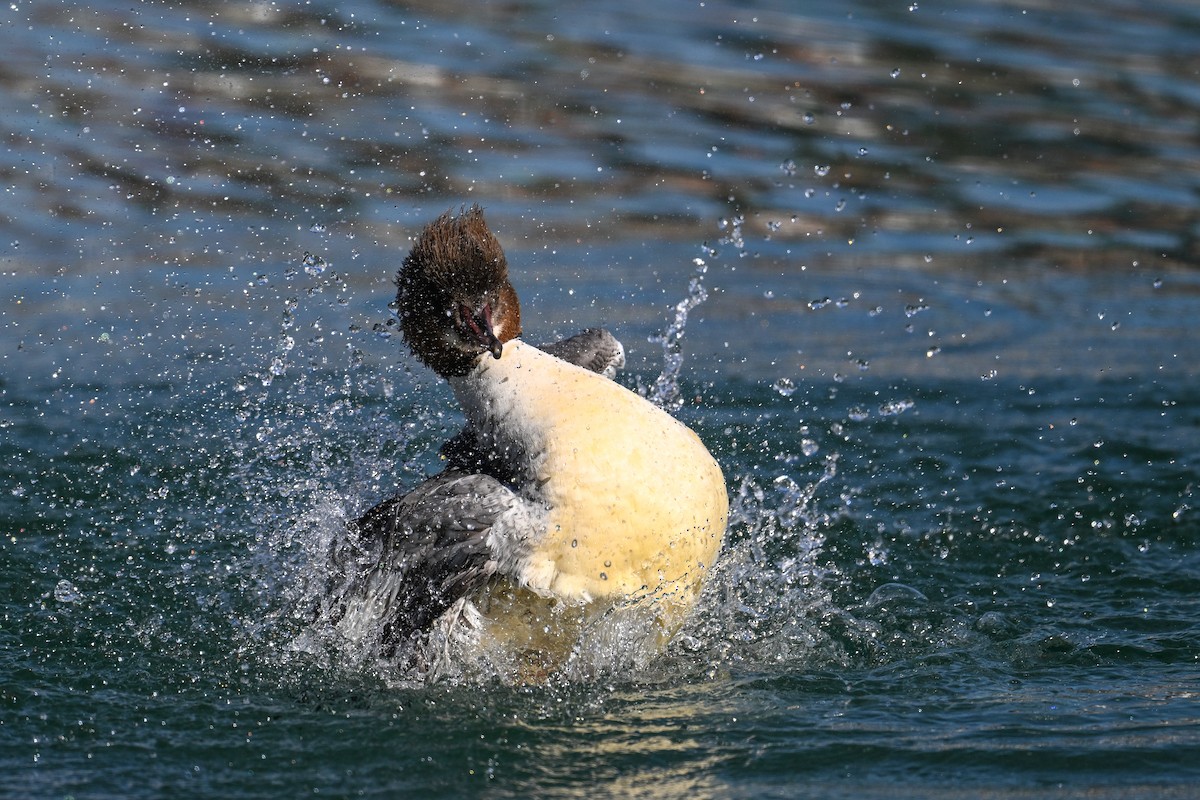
(565,497)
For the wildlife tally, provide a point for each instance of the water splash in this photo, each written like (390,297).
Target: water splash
(769,598)
(312,448)
(664,392)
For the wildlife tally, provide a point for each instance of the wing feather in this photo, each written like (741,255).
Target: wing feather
(411,557)
(594,349)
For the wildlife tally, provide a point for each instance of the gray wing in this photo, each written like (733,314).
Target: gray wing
(411,557)
(594,349)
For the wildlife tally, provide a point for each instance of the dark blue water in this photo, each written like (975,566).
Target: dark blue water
(943,343)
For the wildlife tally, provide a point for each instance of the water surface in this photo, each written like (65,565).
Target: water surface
(945,354)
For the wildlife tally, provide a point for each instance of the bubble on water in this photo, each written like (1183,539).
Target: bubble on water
(914,309)
(817,305)
(821,170)
(789,168)
(892,594)
(857,414)
(933,351)
(809,447)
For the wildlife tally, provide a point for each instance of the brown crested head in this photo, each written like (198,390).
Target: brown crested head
(454,296)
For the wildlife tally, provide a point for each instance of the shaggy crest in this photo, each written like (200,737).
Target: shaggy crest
(456,273)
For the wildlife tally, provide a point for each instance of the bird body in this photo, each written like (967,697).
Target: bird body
(566,497)
(634,502)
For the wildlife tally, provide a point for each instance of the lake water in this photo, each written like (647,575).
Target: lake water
(939,262)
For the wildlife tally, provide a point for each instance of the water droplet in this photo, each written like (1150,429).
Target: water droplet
(313,265)
(896,72)
(933,351)
(894,407)
(786,387)
(1158,283)
(821,170)
(65,592)
(809,447)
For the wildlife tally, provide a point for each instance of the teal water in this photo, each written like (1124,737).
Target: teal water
(952,381)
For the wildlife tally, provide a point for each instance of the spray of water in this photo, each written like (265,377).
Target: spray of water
(316,447)
(664,392)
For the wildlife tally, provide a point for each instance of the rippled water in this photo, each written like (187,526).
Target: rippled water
(945,354)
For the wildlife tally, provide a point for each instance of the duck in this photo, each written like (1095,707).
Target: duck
(567,501)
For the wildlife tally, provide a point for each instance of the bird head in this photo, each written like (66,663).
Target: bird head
(455,301)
